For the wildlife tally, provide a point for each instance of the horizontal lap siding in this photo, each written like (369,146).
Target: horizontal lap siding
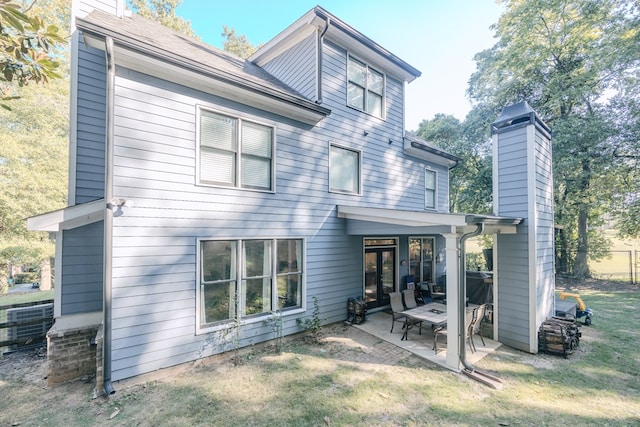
(297,67)
(90,133)
(390,180)
(155,250)
(155,280)
(545,257)
(82,273)
(513,250)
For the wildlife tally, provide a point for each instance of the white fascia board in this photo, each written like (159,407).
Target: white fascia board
(68,218)
(399,217)
(410,150)
(368,55)
(287,38)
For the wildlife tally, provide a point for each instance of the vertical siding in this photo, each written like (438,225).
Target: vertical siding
(513,250)
(82,260)
(297,67)
(91,124)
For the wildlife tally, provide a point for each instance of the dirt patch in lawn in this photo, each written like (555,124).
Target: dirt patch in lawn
(349,377)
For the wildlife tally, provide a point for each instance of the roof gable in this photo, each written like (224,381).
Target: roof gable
(341,33)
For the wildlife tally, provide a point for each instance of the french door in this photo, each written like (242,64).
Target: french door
(379,275)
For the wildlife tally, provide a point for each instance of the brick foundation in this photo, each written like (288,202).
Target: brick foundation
(71,353)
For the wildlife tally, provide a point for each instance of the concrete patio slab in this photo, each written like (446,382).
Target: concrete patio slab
(378,324)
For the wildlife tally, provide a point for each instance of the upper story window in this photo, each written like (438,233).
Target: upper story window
(430,184)
(344,170)
(235,152)
(365,88)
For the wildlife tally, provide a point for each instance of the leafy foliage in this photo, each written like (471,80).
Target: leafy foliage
(576,62)
(33,152)
(29,49)
(237,44)
(163,11)
(470,180)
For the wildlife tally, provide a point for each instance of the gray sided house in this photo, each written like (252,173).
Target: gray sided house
(209,194)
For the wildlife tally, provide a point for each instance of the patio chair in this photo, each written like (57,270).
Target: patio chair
(442,330)
(396,308)
(410,302)
(476,326)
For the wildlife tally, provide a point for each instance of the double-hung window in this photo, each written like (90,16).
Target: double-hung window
(241,279)
(365,88)
(430,184)
(344,170)
(235,152)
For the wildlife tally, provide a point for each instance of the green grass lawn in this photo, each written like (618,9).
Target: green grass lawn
(354,379)
(18,298)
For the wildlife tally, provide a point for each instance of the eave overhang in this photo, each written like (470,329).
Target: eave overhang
(149,59)
(68,218)
(343,35)
(407,222)
(421,150)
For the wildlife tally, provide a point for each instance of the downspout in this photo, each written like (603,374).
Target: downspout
(108,220)
(469,370)
(462,296)
(320,44)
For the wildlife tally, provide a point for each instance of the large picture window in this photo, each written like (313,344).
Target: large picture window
(235,152)
(365,88)
(430,183)
(344,170)
(248,278)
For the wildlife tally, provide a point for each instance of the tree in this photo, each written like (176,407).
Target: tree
(470,181)
(238,45)
(29,49)
(163,11)
(33,148)
(567,58)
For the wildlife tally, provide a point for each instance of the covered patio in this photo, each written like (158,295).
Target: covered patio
(454,230)
(378,324)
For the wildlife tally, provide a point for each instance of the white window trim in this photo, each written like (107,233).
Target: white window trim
(435,190)
(360,184)
(254,318)
(240,118)
(383,116)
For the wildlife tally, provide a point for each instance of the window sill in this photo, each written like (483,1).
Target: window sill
(246,321)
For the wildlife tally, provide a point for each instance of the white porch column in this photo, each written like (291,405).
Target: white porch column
(453,263)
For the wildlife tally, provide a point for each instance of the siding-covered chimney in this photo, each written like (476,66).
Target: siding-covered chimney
(523,187)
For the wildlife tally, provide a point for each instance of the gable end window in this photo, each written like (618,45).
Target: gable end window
(344,170)
(365,88)
(234,152)
(430,184)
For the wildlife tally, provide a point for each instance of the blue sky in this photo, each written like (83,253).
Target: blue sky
(438,37)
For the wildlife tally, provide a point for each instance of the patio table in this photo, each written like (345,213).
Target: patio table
(434,313)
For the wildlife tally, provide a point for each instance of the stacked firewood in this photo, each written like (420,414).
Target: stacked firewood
(356,310)
(559,336)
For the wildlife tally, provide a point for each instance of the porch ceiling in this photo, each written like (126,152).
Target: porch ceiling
(362,220)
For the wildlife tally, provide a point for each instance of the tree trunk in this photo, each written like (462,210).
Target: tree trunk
(45,275)
(581,269)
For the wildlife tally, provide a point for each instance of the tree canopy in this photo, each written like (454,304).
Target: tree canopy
(163,11)
(33,132)
(237,44)
(576,62)
(29,49)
